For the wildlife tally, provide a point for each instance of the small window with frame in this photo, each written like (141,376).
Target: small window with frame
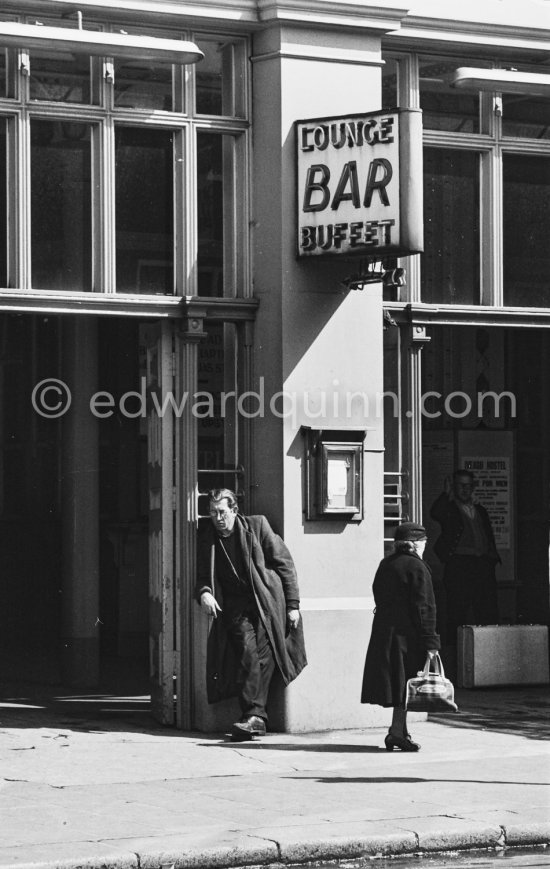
(334,474)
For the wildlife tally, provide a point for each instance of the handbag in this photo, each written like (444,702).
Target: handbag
(430,692)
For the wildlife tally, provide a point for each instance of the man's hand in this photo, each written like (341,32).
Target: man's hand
(293,618)
(210,604)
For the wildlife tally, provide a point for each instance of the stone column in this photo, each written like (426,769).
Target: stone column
(80,507)
(316,345)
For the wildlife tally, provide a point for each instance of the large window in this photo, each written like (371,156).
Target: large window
(486,187)
(61,233)
(3,206)
(144,209)
(450,265)
(124,176)
(526,218)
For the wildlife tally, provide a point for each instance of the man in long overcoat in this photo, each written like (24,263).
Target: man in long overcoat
(247,584)
(467,548)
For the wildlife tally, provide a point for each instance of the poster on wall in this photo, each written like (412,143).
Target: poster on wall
(489,454)
(493,492)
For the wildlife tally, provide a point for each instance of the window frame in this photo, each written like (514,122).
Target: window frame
(19,110)
(492,144)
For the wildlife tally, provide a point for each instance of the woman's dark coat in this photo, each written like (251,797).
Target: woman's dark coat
(403,628)
(274,583)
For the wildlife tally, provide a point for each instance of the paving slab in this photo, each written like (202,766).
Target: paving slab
(93,791)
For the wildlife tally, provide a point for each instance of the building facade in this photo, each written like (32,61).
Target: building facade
(160,335)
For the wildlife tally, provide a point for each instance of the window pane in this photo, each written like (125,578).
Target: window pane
(210,427)
(525,116)
(210,217)
(142,84)
(3,206)
(219,79)
(450,263)
(61,207)
(144,210)
(3,73)
(390,84)
(60,76)
(445,108)
(526,230)
(217,416)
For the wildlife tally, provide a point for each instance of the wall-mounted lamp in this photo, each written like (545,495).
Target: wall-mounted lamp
(98,43)
(371,272)
(506,81)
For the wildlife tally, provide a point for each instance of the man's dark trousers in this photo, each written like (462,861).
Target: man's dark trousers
(471,588)
(256,661)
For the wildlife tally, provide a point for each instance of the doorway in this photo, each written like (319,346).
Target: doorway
(33,518)
(505,437)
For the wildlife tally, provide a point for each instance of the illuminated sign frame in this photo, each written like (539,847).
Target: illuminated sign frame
(359,184)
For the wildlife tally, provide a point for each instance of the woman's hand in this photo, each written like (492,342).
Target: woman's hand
(210,604)
(432,653)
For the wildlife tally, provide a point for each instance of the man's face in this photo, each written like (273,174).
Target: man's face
(463,488)
(223,516)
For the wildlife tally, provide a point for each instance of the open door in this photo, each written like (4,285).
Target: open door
(158,340)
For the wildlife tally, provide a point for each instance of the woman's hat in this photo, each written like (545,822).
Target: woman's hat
(410,531)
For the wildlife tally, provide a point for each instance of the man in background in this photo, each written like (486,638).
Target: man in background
(467,548)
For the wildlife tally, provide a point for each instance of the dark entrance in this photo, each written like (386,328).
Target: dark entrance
(37,483)
(459,364)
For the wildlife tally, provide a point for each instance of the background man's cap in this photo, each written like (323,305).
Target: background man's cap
(410,531)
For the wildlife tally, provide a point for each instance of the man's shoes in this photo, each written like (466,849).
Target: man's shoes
(247,727)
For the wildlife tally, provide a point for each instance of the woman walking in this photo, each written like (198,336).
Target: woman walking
(403,630)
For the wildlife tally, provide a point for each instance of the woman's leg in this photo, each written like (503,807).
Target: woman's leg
(399,722)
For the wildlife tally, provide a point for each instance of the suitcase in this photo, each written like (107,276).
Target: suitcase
(489,655)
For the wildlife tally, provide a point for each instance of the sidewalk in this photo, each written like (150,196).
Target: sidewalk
(94,782)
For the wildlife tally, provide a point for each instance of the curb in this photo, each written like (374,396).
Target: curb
(257,850)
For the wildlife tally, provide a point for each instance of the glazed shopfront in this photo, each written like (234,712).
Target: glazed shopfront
(470,348)
(160,335)
(149,282)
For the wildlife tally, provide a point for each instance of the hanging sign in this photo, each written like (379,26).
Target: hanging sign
(359,187)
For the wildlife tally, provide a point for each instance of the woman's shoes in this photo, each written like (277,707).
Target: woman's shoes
(405,743)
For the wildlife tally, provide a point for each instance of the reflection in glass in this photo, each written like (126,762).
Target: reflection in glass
(3,206)
(443,107)
(526,229)
(141,84)
(450,263)
(219,79)
(61,77)
(144,210)
(525,116)
(210,206)
(61,210)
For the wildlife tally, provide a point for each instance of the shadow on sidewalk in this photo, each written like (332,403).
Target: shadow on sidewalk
(335,780)
(520,711)
(320,747)
(120,703)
